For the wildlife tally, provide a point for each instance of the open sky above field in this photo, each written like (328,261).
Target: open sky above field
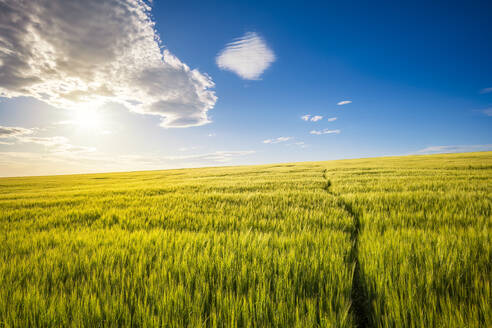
(92,86)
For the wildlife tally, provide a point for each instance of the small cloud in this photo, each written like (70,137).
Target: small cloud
(332,119)
(486,90)
(455,149)
(248,56)
(325,131)
(211,134)
(312,118)
(276,140)
(345,102)
(487,111)
(14,131)
(301,144)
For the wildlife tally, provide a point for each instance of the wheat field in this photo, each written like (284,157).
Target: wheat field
(381,242)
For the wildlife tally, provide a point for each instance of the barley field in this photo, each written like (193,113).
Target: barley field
(381,242)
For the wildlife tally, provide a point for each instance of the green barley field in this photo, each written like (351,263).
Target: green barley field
(382,242)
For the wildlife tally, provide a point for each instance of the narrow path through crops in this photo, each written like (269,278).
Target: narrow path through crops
(360,303)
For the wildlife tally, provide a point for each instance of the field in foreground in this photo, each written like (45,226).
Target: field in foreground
(384,242)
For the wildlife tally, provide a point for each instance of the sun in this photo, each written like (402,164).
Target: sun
(88,119)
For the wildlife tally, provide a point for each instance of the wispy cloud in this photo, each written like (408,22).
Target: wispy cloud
(186,149)
(487,111)
(331,119)
(14,131)
(312,118)
(248,56)
(325,131)
(276,140)
(345,102)
(455,149)
(53,144)
(486,90)
(300,144)
(18,163)
(81,54)
(217,156)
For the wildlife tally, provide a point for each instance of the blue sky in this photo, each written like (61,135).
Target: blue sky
(418,75)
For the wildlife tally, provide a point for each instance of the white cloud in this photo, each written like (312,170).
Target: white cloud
(248,56)
(312,118)
(486,90)
(76,54)
(325,131)
(276,140)
(455,149)
(331,119)
(345,102)
(487,111)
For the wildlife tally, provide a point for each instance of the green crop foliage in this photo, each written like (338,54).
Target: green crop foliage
(386,242)
(424,248)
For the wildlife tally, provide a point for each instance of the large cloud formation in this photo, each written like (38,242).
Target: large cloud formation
(72,53)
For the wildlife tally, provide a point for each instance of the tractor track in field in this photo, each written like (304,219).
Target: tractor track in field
(360,302)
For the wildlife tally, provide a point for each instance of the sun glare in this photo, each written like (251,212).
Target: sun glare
(89,119)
